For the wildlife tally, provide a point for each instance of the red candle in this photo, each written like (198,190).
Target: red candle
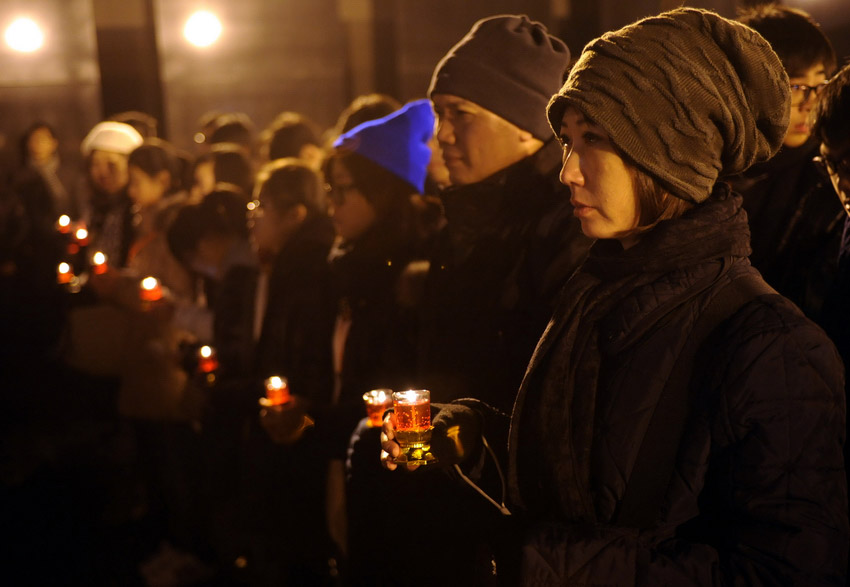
(63,225)
(277,390)
(64,273)
(207,360)
(98,261)
(150,290)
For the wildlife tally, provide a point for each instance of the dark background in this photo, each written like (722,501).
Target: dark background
(105,56)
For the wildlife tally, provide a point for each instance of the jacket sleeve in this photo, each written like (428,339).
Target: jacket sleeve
(761,500)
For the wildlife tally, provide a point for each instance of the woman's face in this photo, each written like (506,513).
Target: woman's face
(802,103)
(41,145)
(352,213)
(603,191)
(146,190)
(108,171)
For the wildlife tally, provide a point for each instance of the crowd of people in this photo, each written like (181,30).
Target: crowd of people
(623,278)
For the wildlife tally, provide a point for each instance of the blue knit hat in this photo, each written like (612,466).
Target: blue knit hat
(397,142)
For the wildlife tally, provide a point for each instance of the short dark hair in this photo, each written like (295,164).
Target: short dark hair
(221,212)
(365,108)
(832,112)
(290,182)
(287,134)
(154,156)
(793,35)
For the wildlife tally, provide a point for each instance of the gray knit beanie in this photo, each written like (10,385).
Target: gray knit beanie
(688,95)
(509,65)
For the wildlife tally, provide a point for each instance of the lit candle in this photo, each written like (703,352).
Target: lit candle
(82,236)
(98,261)
(63,225)
(207,360)
(150,291)
(64,273)
(377,402)
(277,390)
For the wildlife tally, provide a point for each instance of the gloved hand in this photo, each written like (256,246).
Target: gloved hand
(456,435)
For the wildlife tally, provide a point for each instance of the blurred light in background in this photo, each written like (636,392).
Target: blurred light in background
(202,28)
(24,35)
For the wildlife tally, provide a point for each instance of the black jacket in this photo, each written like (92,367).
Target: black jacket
(509,244)
(756,494)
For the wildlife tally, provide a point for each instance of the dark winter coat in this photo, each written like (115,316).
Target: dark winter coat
(509,245)
(294,341)
(757,493)
(795,223)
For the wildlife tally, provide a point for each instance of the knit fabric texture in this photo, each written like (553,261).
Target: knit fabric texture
(397,142)
(508,65)
(687,95)
(115,137)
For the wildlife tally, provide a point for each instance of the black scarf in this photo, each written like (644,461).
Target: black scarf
(559,419)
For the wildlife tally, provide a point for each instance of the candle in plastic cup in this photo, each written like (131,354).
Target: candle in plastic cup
(377,402)
(207,360)
(63,225)
(98,261)
(64,274)
(150,290)
(413,426)
(277,390)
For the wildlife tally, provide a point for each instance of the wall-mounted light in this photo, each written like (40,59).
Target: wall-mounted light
(24,35)
(202,28)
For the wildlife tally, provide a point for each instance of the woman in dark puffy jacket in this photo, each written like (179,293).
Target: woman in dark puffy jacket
(679,422)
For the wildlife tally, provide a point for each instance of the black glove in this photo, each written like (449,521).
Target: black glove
(456,435)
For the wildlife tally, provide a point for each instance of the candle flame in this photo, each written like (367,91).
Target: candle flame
(276,382)
(206,351)
(64,220)
(82,234)
(64,268)
(99,258)
(150,283)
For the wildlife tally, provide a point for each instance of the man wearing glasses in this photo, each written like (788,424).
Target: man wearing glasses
(832,129)
(795,222)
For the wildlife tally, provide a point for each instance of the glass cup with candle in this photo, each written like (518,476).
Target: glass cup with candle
(98,263)
(150,290)
(413,426)
(64,273)
(207,363)
(377,402)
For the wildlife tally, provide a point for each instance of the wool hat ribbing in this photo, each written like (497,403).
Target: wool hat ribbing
(688,95)
(509,65)
(397,142)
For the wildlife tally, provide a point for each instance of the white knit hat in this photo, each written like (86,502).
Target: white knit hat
(115,137)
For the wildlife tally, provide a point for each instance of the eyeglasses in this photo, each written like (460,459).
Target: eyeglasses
(255,209)
(804,91)
(830,165)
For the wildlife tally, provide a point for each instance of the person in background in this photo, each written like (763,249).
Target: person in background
(832,129)
(145,124)
(110,218)
(277,320)
(363,109)
(292,135)
(794,219)
(224,166)
(679,421)
(40,161)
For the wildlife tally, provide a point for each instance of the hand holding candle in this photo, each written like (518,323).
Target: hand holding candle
(412,426)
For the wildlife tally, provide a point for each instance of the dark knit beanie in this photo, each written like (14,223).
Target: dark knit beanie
(688,95)
(509,65)
(397,142)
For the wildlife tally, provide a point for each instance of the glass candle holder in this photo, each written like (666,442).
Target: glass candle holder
(377,402)
(413,426)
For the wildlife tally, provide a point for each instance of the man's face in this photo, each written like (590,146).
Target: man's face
(475,142)
(802,102)
(837,161)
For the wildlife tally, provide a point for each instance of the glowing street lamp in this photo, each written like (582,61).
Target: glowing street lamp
(24,35)
(202,28)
